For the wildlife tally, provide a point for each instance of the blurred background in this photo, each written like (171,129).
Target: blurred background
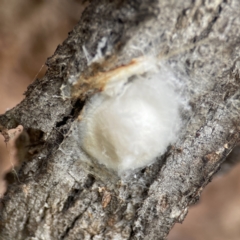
(30,31)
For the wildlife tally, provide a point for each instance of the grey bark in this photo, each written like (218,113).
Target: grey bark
(59,196)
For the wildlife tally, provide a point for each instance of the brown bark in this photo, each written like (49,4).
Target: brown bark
(59,196)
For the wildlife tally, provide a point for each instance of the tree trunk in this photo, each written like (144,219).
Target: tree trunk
(58,194)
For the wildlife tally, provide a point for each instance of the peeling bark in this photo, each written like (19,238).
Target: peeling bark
(60,196)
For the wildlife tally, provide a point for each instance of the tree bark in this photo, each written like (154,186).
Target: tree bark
(60,196)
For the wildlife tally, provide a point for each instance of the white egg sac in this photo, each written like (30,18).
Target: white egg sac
(132,121)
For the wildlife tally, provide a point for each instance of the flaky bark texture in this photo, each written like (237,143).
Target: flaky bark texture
(60,196)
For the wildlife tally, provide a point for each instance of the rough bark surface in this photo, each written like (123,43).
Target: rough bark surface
(60,196)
